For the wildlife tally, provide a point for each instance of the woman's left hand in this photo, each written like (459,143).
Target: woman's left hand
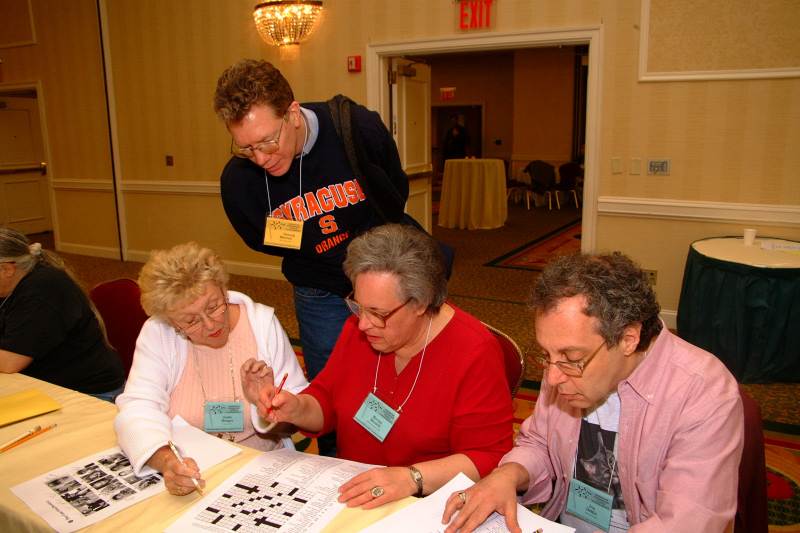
(255,375)
(395,481)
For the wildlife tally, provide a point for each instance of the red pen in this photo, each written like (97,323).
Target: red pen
(280,388)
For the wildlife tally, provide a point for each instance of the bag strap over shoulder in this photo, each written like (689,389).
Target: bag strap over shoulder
(384,196)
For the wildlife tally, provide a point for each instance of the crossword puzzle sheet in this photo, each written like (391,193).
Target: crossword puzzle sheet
(282,490)
(256,503)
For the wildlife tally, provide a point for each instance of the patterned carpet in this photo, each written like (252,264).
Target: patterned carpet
(497,296)
(535,255)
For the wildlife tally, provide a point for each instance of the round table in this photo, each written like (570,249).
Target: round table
(473,194)
(742,303)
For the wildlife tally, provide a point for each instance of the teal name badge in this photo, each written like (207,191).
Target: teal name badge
(376,417)
(224,416)
(589,504)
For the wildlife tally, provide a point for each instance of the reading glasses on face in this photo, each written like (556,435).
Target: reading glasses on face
(212,315)
(265,147)
(377,318)
(570,368)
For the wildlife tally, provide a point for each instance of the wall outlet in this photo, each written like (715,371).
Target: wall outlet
(170,161)
(653,274)
(658,166)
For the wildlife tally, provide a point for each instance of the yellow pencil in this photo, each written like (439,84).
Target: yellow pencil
(29,437)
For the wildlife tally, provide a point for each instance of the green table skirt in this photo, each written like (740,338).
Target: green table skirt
(749,317)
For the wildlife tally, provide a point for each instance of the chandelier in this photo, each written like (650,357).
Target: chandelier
(287,23)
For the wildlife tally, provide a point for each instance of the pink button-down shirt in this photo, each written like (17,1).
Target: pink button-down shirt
(680,437)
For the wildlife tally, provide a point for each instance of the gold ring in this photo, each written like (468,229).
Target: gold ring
(377,491)
(463,496)
(180,490)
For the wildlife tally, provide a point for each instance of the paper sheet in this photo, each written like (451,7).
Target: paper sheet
(25,404)
(425,515)
(284,489)
(91,489)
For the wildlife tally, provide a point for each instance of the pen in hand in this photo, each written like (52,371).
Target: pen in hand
(27,436)
(280,388)
(178,456)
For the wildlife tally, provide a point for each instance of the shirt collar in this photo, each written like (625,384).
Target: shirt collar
(313,129)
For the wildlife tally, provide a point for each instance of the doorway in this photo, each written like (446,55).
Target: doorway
(24,186)
(379,55)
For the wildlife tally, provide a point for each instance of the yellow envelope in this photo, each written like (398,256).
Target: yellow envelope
(25,404)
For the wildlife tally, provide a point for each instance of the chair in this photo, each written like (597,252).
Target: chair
(512,357)
(569,173)
(514,187)
(118,302)
(543,179)
(751,512)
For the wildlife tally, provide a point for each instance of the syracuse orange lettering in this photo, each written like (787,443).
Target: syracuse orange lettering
(330,242)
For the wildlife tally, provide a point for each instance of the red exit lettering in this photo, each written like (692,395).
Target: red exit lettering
(475,14)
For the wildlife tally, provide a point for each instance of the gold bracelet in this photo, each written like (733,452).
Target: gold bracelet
(417,477)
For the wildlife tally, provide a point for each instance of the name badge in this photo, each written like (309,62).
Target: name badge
(283,233)
(224,416)
(589,504)
(376,417)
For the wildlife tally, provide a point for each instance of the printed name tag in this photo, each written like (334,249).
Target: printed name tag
(283,233)
(224,416)
(376,417)
(590,504)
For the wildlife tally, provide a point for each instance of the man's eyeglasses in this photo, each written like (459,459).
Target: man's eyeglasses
(265,147)
(212,315)
(377,318)
(570,368)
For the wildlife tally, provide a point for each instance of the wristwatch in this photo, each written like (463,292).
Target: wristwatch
(417,477)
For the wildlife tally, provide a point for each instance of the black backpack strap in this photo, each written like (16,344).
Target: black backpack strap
(387,201)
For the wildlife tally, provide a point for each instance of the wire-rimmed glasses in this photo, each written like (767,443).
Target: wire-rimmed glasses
(212,315)
(535,353)
(377,318)
(265,147)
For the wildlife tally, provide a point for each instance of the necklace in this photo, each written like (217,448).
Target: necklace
(419,369)
(203,388)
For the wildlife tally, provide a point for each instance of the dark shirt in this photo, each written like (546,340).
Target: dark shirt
(330,202)
(47,317)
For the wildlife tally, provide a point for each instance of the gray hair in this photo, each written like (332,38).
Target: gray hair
(408,253)
(618,293)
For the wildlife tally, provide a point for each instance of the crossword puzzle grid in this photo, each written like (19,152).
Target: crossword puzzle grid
(255,504)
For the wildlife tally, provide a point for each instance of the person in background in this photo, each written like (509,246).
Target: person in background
(456,140)
(49,328)
(289,164)
(414,383)
(634,430)
(204,350)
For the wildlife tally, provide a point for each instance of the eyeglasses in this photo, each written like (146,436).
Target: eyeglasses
(377,318)
(212,315)
(265,147)
(570,368)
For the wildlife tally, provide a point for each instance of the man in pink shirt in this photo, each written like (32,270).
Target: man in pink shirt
(635,429)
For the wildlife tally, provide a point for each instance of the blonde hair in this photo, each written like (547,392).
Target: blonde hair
(180,274)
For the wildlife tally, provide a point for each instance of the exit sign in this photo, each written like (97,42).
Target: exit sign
(475,14)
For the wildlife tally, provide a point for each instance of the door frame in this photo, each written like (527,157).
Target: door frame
(378,56)
(45,139)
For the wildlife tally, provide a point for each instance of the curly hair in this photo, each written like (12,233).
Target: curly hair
(180,274)
(618,292)
(408,253)
(249,83)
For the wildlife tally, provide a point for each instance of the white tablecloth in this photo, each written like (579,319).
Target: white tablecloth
(473,194)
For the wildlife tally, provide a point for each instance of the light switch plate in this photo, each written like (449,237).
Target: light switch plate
(658,166)
(616,165)
(636,166)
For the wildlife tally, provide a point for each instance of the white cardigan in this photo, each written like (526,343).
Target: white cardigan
(143,425)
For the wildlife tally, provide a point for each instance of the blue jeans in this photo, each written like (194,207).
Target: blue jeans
(320,315)
(109,396)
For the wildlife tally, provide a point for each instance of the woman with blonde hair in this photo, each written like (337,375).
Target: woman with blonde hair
(49,328)
(204,354)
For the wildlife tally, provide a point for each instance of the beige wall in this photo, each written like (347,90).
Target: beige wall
(732,142)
